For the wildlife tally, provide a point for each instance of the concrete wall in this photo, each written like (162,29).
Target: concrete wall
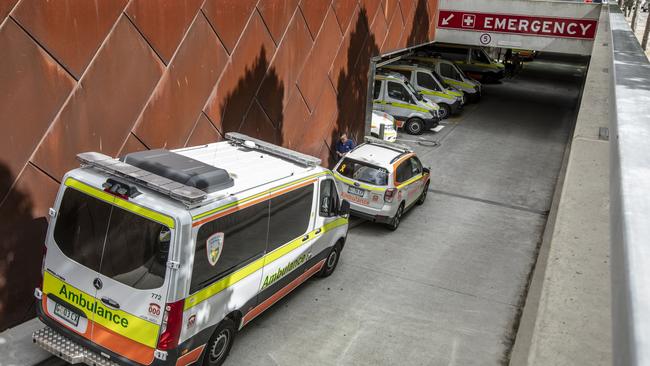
(567,316)
(126,75)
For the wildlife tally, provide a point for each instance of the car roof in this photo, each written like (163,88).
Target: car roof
(374,154)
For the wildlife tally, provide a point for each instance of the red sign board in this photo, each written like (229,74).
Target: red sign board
(518,24)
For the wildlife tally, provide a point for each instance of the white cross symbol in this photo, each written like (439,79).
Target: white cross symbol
(468,20)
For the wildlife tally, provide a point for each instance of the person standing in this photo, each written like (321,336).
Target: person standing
(344,145)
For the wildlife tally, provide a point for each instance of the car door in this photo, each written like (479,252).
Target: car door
(403,174)
(417,181)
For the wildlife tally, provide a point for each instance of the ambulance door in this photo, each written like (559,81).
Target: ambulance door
(399,100)
(328,204)
(291,234)
(377,96)
(133,280)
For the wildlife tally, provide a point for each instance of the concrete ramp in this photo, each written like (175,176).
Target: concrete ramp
(556,26)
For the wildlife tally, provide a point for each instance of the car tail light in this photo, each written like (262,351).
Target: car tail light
(389,194)
(171,326)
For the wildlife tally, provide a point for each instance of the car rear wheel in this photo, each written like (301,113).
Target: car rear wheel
(394,223)
(414,126)
(220,343)
(423,196)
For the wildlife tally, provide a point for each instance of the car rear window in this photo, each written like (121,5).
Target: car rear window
(363,172)
(117,243)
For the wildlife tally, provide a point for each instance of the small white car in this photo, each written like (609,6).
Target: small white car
(382,180)
(383,119)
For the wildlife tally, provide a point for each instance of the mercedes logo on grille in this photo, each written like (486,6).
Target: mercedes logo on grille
(97,283)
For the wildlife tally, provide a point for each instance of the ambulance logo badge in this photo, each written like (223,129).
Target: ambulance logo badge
(213,246)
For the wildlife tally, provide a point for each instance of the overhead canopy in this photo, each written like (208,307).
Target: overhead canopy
(563,27)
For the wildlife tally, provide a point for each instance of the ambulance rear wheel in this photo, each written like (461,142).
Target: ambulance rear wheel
(445,111)
(414,126)
(220,343)
(331,261)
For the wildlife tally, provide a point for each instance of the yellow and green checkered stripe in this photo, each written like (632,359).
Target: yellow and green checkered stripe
(402,105)
(248,270)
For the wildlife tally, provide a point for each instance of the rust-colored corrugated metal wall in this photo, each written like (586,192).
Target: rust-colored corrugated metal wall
(118,76)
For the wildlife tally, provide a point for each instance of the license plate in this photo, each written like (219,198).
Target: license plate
(356,191)
(67,314)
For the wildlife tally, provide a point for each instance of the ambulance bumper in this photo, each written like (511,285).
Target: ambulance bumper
(79,347)
(67,350)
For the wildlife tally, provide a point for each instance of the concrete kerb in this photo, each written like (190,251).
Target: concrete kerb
(16,345)
(551,315)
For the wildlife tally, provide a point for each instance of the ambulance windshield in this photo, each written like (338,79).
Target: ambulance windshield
(117,243)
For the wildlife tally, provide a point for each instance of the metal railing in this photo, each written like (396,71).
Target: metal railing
(630,195)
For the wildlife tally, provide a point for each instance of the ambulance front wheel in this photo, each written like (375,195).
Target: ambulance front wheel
(220,343)
(414,126)
(331,261)
(445,110)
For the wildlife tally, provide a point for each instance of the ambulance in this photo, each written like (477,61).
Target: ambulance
(394,95)
(430,85)
(474,61)
(161,257)
(452,76)
(383,119)
(382,180)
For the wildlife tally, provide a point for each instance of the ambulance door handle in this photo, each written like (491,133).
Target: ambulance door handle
(305,238)
(318,231)
(110,302)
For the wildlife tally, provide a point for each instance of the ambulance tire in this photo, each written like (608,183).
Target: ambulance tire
(423,195)
(394,223)
(414,126)
(330,262)
(220,343)
(446,110)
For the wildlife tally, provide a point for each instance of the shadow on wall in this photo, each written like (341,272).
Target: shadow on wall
(21,243)
(241,112)
(420,31)
(353,84)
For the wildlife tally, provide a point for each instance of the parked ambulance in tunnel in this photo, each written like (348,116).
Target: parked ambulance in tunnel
(452,75)
(425,81)
(393,94)
(160,258)
(474,61)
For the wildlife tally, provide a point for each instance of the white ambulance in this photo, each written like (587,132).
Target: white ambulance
(159,258)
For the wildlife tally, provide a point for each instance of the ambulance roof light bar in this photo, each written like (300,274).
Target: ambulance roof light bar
(189,196)
(253,143)
(389,145)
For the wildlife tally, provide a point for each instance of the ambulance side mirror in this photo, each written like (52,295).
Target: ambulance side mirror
(344,208)
(426,171)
